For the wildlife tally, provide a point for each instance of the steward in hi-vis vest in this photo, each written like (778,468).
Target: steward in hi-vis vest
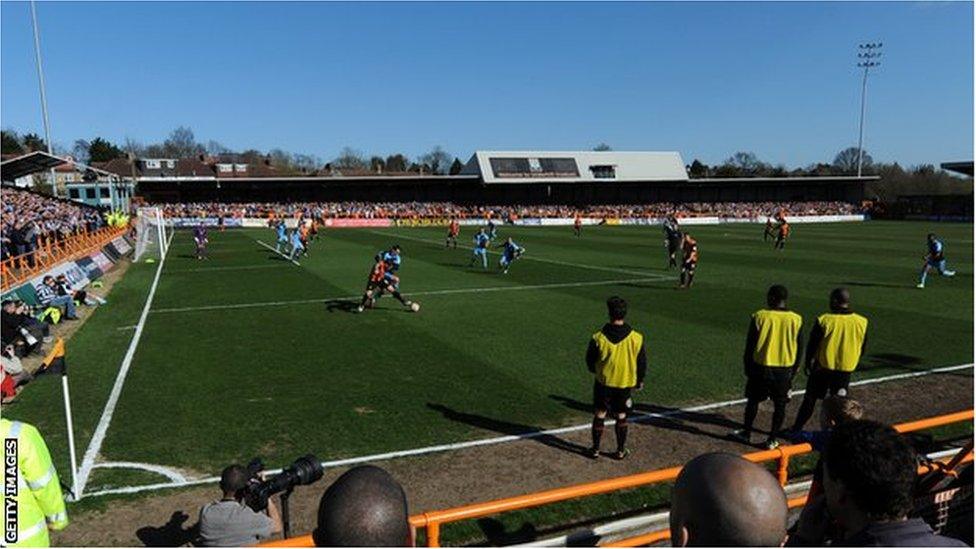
(771,358)
(618,361)
(39,503)
(836,345)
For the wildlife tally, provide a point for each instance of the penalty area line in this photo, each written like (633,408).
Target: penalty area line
(638,418)
(277,252)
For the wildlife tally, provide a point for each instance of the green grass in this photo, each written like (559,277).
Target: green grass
(210,387)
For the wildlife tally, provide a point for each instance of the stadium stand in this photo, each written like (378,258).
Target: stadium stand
(443,210)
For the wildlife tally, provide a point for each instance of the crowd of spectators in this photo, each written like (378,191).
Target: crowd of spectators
(443,210)
(31,220)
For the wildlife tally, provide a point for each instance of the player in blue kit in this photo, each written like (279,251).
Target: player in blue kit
(481,241)
(510,252)
(200,238)
(391,259)
(296,245)
(934,259)
(282,236)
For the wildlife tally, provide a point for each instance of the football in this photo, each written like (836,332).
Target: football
(415,306)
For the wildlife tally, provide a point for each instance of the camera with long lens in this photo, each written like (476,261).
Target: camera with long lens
(305,470)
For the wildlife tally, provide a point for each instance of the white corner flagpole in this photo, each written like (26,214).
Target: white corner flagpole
(71,437)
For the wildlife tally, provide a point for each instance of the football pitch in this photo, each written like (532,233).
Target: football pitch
(246,354)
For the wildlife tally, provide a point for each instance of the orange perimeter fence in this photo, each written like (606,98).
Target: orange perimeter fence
(19,269)
(432,521)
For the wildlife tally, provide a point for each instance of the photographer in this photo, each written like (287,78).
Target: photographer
(20,329)
(229,522)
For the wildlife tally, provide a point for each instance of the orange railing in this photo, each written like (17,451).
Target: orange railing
(432,521)
(19,269)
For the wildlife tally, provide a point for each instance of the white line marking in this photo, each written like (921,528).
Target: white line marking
(277,252)
(410,294)
(122,328)
(95,445)
(530,257)
(168,472)
(523,436)
(228,268)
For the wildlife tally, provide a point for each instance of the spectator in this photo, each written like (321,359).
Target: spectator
(20,329)
(722,500)
(31,219)
(869,475)
(365,507)
(229,522)
(47,294)
(617,358)
(65,288)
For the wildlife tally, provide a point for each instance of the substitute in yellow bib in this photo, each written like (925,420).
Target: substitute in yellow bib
(617,358)
(836,344)
(771,358)
(36,490)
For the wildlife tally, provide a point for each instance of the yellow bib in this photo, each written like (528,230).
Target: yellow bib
(776,346)
(617,364)
(843,339)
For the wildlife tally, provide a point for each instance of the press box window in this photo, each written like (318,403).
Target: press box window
(604,172)
(73,193)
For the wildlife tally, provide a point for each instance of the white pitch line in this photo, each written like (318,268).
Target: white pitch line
(277,252)
(523,436)
(95,445)
(410,294)
(172,474)
(533,258)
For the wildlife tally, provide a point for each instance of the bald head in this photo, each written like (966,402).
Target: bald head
(365,507)
(840,299)
(723,500)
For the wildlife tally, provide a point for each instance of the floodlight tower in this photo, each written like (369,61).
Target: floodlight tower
(868,56)
(40,79)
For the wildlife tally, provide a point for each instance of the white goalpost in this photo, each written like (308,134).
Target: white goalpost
(152,234)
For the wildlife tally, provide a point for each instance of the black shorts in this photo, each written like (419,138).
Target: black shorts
(689,266)
(822,381)
(375,286)
(770,383)
(611,399)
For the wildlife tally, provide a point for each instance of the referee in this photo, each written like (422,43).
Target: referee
(836,344)
(771,359)
(617,358)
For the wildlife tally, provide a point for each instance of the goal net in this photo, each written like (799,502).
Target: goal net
(152,234)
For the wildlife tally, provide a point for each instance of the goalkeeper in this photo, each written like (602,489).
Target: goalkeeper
(510,252)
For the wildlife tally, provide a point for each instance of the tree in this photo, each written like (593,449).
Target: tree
(376,164)
(436,161)
(602,147)
(697,169)
(306,162)
(745,162)
(215,148)
(33,142)
(396,163)
(133,148)
(79,151)
(350,159)
(456,166)
(10,142)
(101,150)
(181,143)
(846,160)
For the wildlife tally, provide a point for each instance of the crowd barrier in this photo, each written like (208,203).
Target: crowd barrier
(432,521)
(48,256)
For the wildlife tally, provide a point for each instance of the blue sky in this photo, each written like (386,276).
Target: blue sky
(705,79)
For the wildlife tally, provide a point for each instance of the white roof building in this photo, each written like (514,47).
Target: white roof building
(575,166)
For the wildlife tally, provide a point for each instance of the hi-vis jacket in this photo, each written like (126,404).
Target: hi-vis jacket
(36,491)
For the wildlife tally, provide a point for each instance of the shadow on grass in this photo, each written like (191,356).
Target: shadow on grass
(508,428)
(666,417)
(878,285)
(343,306)
(171,534)
(906,363)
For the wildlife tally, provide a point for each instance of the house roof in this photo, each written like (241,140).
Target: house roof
(575,166)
